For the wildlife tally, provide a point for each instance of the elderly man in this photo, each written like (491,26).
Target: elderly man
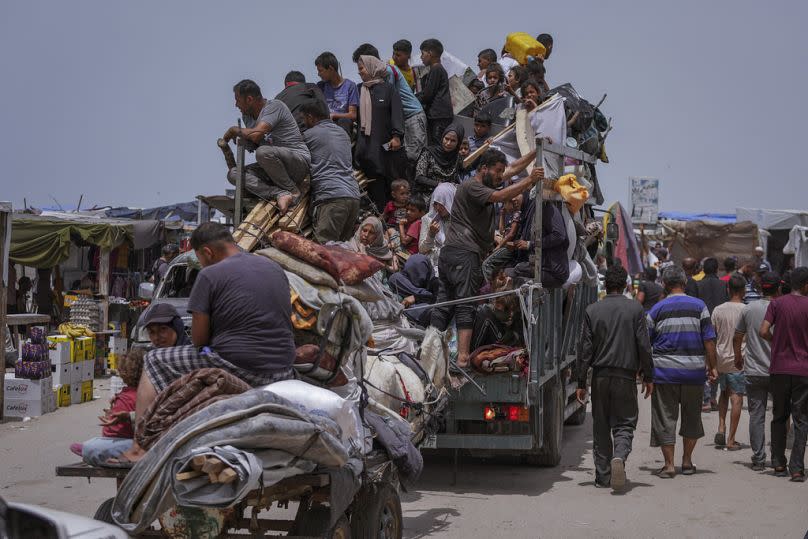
(282,158)
(683,349)
(242,322)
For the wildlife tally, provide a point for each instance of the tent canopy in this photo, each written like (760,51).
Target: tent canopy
(773,219)
(684,216)
(44,241)
(700,239)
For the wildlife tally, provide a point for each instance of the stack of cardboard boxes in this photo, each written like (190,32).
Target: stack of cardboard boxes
(117,349)
(27,398)
(73,365)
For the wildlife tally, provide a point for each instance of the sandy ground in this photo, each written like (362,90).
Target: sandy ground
(491,498)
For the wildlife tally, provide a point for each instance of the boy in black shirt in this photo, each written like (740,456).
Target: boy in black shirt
(434,94)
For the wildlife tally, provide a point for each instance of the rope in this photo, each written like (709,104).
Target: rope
(475,299)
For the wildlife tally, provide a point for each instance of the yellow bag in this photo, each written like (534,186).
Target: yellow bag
(572,192)
(521,45)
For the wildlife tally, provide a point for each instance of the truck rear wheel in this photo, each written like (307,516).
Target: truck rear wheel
(549,453)
(377,513)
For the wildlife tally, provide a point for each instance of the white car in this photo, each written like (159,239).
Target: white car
(23,521)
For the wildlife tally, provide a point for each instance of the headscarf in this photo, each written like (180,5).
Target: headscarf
(444,193)
(446,160)
(379,249)
(377,71)
(179,328)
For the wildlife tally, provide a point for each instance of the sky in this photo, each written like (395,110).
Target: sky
(122,102)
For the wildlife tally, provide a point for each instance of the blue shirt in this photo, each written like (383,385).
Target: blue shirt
(341,97)
(678,326)
(409,102)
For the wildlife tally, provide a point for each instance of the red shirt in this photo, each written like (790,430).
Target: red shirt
(393,214)
(788,316)
(122,402)
(414,231)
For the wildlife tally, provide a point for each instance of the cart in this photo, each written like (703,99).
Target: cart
(375,511)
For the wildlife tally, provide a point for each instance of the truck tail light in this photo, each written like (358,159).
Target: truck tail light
(506,412)
(489,413)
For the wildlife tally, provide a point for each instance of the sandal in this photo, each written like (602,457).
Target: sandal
(689,470)
(720,439)
(664,473)
(734,447)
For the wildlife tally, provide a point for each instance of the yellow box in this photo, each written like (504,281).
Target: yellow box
(62,395)
(61,349)
(90,351)
(112,361)
(87,391)
(84,347)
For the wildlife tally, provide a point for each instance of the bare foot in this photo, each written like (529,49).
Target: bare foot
(283,203)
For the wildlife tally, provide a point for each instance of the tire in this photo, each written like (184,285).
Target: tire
(578,417)
(314,522)
(549,453)
(104,512)
(376,513)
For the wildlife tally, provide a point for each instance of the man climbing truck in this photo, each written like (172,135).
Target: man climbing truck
(522,411)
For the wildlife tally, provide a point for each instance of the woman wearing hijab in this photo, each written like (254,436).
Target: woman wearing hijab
(440,162)
(164,326)
(418,287)
(435,223)
(381,130)
(370,239)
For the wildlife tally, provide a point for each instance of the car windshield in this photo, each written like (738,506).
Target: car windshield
(178,281)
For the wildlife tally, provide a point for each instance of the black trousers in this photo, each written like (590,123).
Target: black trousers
(614,418)
(789,398)
(461,276)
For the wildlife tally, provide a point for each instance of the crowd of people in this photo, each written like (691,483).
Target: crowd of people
(691,333)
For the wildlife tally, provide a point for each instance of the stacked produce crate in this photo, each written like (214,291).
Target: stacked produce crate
(28,391)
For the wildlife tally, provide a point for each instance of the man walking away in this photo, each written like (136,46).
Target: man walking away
(788,315)
(711,290)
(754,360)
(650,292)
(282,158)
(683,348)
(615,344)
(731,379)
(691,267)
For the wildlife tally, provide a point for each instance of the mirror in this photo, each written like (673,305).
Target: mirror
(612,231)
(145,290)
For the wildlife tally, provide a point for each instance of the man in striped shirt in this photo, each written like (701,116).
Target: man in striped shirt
(683,350)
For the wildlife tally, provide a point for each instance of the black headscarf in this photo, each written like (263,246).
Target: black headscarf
(443,158)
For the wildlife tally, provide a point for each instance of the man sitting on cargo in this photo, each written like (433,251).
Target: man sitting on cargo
(282,158)
(471,237)
(241,323)
(334,191)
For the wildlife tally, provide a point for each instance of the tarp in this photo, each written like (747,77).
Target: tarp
(44,241)
(773,219)
(700,239)
(684,216)
(187,211)
(626,249)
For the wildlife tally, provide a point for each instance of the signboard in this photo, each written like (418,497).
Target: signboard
(644,200)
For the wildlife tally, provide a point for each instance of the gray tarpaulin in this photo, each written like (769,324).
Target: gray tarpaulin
(200,492)
(253,421)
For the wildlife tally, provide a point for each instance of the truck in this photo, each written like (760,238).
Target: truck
(524,414)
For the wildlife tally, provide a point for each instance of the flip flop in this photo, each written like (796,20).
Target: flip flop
(117,462)
(77,449)
(665,473)
(720,439)
(734,447)
(689,470)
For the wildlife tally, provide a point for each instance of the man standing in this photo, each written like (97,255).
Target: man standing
(241,322)
(730,378)
(402,52)
(471,237)
(297,91)
(650,293)
(750,269)
(334,191)
(434,94)
(788,315)
(615,344)
(282,158)
(160,266)
(754,360)
(711,290)
(683,348)
(691,267)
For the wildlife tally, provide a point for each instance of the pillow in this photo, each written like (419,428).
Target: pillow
(353,267)
(294,265)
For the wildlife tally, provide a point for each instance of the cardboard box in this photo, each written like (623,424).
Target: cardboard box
(80,346)
(76,371)
(20,388)
(118,345)
(87,391)
(62,395)
(26,407)
(112,361)
(87,370)
(75,393)
(62,374)
(60,349)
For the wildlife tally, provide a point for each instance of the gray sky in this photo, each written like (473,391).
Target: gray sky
(124,101)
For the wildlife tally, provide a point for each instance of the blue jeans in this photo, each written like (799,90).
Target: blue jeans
(96,451)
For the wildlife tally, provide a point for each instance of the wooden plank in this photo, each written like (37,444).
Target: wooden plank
(213,466)
(81,469)
(228,475)
(185,476)
(27,319)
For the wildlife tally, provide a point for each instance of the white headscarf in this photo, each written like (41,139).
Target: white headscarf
(444,193)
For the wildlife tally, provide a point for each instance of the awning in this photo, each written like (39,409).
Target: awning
(44,241)
(773,219)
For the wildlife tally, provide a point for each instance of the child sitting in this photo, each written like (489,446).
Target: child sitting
(509,220)
(117,432)
(396,209)
(410,228)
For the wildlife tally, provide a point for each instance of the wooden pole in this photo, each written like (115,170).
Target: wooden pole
(103,287)
(5,234)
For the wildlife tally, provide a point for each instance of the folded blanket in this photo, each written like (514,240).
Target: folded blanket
(498,358)
(182,398)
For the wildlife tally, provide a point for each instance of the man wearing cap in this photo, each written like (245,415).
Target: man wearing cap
(164,326)
(751,270)
(760,258)
(242,323)
(754,361)
(160,267)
